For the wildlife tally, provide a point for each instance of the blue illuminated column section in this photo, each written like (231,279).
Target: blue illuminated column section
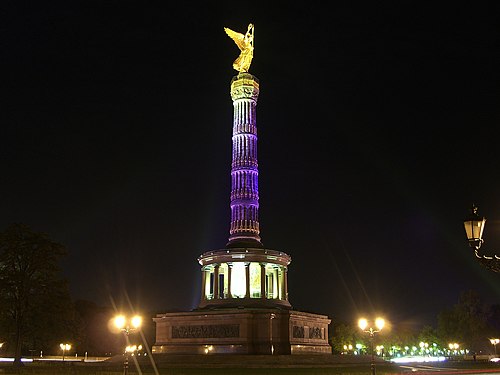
(244,229)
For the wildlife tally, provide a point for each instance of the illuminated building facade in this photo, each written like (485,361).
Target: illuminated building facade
(244,305)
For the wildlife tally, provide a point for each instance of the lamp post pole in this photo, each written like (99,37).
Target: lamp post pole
(125,361)
(64,347)
(379,324)
(453,348)
(127,326)
(372,362)
(494,342)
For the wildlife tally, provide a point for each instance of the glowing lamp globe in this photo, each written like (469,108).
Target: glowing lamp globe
(474,227)
(362,323)
(120,321)
(379,323)
(136,321)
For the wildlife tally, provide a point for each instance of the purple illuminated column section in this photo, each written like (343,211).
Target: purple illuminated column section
(244,229)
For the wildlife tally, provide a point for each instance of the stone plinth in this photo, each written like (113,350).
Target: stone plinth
(241,331)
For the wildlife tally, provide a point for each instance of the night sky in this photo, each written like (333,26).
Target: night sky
(378,129)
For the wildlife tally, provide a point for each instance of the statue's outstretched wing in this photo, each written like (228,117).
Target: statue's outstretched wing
(238,38)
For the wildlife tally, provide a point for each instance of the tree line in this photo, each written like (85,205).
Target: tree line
(36,309)
(470,323)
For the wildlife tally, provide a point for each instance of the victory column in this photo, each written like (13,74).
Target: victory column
(244,305)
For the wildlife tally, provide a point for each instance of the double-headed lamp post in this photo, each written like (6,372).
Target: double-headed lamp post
(453,348)
(64,348)
(474,227)
(367,328)
(127,326)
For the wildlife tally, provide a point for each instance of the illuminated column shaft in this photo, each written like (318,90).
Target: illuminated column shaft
(244,228)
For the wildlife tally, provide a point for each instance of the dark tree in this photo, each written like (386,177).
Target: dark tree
(343,334)
(35,301)
(399,336)
(429,335)
(466,322)
(494,321)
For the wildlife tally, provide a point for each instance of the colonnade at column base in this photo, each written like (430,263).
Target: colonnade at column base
(244,277)
(241,331)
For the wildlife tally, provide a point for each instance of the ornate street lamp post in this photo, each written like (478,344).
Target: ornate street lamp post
(474,227)
(453,348)
(127,326)
(424,348)
(64,348)
(347,349)
(379,324)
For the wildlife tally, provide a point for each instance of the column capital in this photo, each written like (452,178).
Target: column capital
(244,86)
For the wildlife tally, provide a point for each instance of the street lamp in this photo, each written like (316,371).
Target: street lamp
(64,348)
(127,326)
(133,349)
(347,349)
(380,350)
(208,348)
(453,347)
(474,227)
(423,348)
(359,347)
(494,342)
(363,325)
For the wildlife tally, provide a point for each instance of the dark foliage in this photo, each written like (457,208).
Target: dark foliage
(36,307)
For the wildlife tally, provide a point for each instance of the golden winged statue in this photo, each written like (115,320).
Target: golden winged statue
(245,44)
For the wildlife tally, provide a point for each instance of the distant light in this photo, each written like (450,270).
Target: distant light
(12,359)
(410,359)
(131,348)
